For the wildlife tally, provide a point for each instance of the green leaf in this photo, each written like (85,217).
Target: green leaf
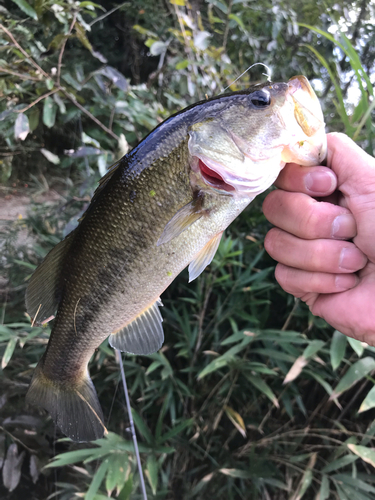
(117,472)
(33,116)
(126,490)
(175,430)
(313,348)
(142,427)
(9,350)
(81,35)
(338,346)
(97,480)
(368,402)
(367,454)
(238,20)
(357,346)
(355,373)
(324,488)
(182,64)
(340,462)
(152,472)
(49,112)
(260,384)
(26,8)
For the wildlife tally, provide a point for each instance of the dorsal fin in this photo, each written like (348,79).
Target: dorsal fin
(43,290)
(204,257)
(144,335)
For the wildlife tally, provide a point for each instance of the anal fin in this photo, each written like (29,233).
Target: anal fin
(144,335)
(42,293)
(204,257)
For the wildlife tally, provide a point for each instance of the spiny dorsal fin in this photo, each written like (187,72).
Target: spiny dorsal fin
(183,219)
(43,290)
(204,257)
(144,335)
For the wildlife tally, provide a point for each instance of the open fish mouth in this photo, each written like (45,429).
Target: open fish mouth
(213,178)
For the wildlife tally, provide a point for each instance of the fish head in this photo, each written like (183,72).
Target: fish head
(241,147)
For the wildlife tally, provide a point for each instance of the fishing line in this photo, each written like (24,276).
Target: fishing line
(134,435)
(268,75)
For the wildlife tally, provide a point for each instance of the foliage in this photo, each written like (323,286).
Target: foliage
(251,396)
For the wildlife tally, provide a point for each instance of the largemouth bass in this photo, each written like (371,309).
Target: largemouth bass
(162,207)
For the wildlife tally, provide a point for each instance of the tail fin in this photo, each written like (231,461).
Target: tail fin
(74,407)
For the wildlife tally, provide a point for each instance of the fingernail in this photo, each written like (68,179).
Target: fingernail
(343,226)
(351,259)
(319,182)
(346,281)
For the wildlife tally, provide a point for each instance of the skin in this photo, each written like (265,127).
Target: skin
(323,237)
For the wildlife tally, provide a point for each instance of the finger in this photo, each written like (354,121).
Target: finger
(301,215)
(299,282)
(355,169)
(315,181)
(323,255)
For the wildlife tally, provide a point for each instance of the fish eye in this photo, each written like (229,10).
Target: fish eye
(260,99)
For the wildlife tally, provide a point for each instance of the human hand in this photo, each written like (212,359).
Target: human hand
(335,277)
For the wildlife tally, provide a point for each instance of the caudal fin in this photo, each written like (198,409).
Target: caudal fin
(74,407)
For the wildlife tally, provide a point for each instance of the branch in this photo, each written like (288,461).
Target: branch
(7,32)
(19,75)
(63,48)
(79,106)
(37,100)
(106,14)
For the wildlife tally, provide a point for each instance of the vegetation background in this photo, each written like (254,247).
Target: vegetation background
(251,397)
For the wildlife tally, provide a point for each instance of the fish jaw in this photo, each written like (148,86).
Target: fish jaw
(242,151)
(308,141)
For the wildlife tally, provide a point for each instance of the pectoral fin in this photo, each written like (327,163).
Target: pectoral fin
(144,335)
(204,257)
(183,219)
(43,290)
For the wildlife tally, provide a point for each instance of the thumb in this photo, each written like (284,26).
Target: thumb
(354,168)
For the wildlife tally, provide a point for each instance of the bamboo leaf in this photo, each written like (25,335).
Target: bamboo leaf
(368,402)
(236,420)
(357,346)
(355,373)
(337,350)
(152,472)
(8,353)
(263,387)
(367,454)
(97,480)
(324,488)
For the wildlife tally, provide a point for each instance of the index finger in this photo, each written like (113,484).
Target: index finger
(314,181)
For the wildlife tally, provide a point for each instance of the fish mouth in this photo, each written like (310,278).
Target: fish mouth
(307,110)
(213,178)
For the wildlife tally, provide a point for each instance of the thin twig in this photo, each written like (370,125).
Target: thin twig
(76,103)
(37,100)
(286,324)
(134,435)
(106,14)
(227,26)
(63,48)
(20,75)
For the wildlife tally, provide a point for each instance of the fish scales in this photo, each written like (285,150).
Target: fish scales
(162,207)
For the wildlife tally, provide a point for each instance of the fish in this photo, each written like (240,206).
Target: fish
(162,207)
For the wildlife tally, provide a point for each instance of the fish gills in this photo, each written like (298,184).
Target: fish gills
(73,406)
